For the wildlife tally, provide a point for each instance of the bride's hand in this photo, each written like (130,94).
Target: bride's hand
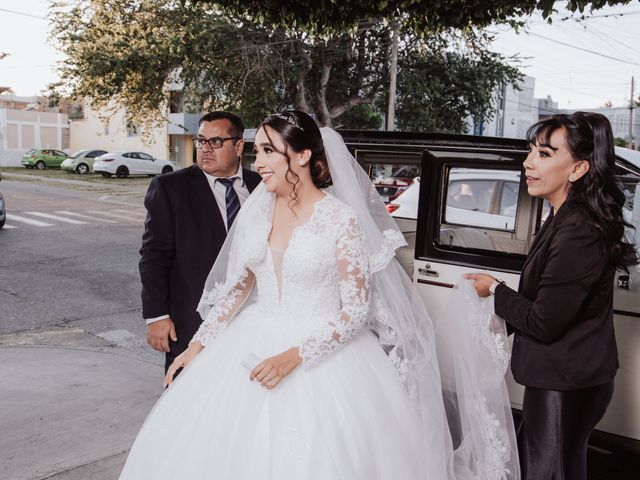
(182,361)
(271,371)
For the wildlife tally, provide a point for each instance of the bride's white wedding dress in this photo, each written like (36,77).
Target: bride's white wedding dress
(343,414)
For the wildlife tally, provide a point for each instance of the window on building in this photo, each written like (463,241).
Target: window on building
(132,129)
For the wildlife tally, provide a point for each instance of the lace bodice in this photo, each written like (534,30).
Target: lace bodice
(322,295)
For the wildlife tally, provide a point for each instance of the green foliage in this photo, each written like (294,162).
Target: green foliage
(322,16)
(440,87)
(130,52)
(360,117)
(620,142)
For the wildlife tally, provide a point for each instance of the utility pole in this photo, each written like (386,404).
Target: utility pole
(632,106)
(393,74)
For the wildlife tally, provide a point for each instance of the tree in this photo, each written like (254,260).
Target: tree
(440,87)
(124,51)
(331,15)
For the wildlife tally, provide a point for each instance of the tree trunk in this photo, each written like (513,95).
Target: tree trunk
(301,96)
(324,115)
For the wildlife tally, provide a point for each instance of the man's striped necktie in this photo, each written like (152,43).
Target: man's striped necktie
(231,199)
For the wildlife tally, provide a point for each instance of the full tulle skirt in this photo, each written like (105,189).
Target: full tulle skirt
(349,417)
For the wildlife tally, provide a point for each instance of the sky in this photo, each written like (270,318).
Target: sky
(580,64)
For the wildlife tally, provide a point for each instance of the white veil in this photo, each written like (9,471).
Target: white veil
(475,412)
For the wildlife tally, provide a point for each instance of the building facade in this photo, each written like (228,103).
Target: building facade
(172,140)
(517,110)
(26,124)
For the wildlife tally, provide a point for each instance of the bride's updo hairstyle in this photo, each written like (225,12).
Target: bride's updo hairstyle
(300,132)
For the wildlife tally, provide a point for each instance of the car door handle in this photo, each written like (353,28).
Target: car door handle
(427,271)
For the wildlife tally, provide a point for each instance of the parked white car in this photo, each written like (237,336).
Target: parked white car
(123,164)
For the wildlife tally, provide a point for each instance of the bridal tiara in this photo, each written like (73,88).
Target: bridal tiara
(287,119)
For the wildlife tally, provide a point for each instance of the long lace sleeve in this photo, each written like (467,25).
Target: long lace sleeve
(353,272)
(224,309)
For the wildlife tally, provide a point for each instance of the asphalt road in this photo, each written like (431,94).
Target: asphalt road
(68,257)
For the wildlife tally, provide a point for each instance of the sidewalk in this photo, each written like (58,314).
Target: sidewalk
(71,411)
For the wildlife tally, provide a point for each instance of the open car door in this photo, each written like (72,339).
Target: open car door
(475,215)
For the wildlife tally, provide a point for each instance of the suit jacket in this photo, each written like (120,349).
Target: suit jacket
(184,231)
(563,311)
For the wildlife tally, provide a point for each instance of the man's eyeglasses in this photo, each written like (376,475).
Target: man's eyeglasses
(214,142)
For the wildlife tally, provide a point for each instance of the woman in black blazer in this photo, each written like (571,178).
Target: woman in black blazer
(564,349)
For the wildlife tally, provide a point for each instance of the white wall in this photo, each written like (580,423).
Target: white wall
(21,130)
(92,133)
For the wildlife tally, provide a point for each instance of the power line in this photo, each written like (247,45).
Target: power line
(584,49)
(22,13)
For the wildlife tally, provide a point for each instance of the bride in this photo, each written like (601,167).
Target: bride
(316,358)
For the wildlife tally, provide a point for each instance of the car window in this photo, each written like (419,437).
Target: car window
(96,153)
(144,156)
(128,155)
(480,210)
(391,180)
(78,154)
(474,195)
(509,198)
(46,152)
(407,172)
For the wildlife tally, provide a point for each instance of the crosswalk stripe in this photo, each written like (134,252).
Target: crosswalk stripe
(8,226)
(57,218)
(86,217)
(115,215)
(29,221)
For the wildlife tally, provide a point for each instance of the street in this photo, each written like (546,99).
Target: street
(78,378)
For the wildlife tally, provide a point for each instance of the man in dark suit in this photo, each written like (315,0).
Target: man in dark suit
(188,215)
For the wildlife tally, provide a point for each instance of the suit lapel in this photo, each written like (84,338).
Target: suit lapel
(554,221)
(204,205)
(538,240)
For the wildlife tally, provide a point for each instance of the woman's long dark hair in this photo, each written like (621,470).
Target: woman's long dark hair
(300,132)
(590,138)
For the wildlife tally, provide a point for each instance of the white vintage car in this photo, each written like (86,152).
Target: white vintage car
(470,211)
(123,164)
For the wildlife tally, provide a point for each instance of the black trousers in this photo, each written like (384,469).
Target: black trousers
(556,430)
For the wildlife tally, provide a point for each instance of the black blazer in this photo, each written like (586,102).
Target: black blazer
(183,234)
(563,313)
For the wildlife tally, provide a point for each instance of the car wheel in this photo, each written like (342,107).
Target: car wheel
(167,170)
(82,169)
(40,165)
(122,172)
(106,174)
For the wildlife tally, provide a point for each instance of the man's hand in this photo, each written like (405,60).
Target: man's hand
(271,371)
(158,334)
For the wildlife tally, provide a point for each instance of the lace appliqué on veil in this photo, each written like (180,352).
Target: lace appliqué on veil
(393,239)
(496,451)
(492,334)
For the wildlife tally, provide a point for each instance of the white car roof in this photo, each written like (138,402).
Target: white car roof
(631,156)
